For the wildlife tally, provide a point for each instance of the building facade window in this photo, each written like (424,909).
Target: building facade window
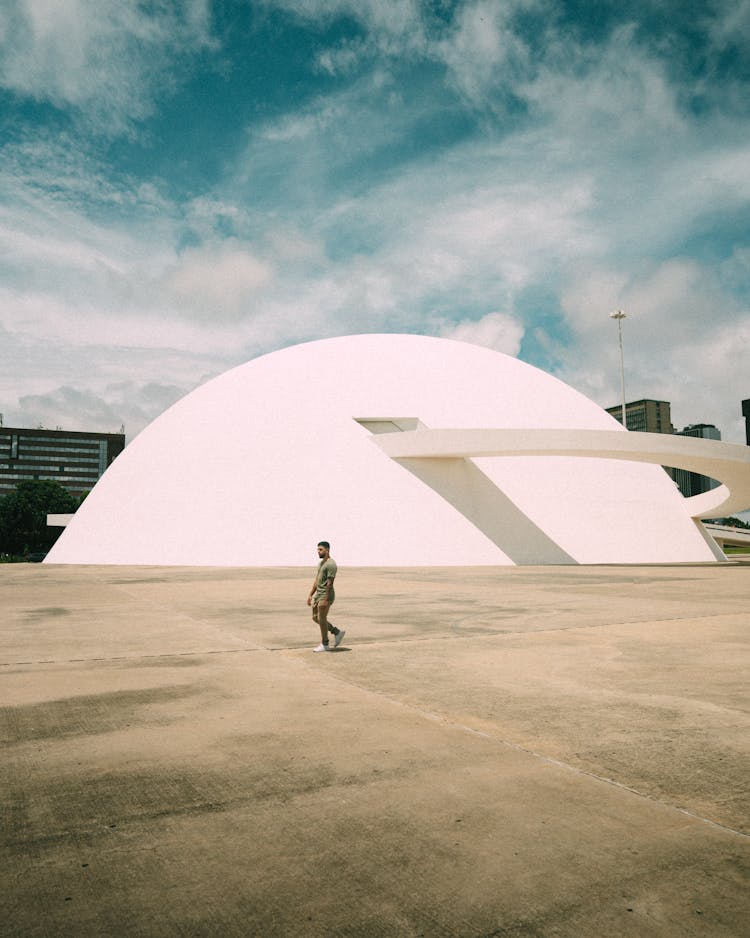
(76,460)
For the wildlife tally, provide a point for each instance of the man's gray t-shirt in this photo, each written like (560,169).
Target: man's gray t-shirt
(326,571)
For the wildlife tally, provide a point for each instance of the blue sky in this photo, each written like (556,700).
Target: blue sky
(186,185)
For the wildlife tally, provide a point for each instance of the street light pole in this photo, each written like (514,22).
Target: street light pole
(619,316)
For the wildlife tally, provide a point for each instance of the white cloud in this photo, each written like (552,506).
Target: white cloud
(685,340)
(483,52)
(616,84)
(497,331)
(78,384)
(730,26)
(588,200)
(477,44)
(677,298)
(298,128)
(125,405)
(221,280)
(345,58)
(487,210)
(391,17)
(104,58)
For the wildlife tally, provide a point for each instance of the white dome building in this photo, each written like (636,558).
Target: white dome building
(258,465)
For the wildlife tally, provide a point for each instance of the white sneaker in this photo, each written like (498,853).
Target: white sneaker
(322,647)
(339,638)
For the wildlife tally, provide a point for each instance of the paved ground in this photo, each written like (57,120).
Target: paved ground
(492,752)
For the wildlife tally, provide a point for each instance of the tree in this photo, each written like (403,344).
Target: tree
(733,522)
(23,516)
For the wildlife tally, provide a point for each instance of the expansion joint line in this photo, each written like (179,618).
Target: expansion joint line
(542,757)
(136,657)
(458,625)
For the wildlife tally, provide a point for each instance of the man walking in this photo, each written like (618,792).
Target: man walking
(322,595)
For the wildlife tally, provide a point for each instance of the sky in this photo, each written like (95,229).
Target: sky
(188,184)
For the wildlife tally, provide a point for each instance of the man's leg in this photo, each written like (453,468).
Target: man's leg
(319,616)
(337,633)
(331,627)
(323,622)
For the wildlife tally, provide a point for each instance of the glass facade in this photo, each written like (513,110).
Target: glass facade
(74,460)
(691,483)
(647,416)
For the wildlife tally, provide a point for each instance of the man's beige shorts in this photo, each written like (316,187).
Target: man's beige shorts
(315,609)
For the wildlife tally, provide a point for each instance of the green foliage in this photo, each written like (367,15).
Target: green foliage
(732,522)
(23,516)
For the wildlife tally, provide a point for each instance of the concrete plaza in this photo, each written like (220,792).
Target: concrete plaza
(557,751)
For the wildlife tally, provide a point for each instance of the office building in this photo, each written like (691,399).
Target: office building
(691,483)
(645,416)
(74,459)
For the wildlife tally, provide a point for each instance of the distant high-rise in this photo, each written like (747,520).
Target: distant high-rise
(645,416)
(74,459)
(746,415)
(690,483)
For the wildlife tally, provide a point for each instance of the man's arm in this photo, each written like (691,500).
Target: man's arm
(312,591)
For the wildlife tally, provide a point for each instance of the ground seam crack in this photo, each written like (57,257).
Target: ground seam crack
(550,760)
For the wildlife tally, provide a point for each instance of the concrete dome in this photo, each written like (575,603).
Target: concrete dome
(258,465)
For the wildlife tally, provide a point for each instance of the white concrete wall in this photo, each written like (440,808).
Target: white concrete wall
(259,464)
